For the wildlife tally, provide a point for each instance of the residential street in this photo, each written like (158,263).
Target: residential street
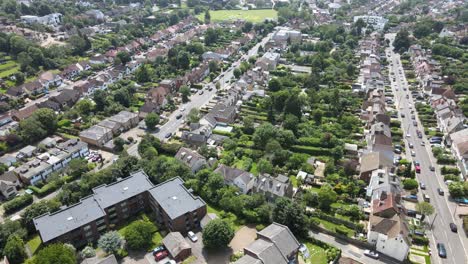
(455,243)
(197,100)
(350,250)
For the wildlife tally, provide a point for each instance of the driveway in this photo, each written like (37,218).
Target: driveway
(135,258)
(243,238)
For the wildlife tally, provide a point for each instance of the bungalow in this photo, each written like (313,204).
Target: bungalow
(232,176)
(50,104)
(191,158)
(26,152)
(15,92)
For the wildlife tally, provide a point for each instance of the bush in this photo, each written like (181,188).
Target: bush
(410,184)
(341,230)
(139,234)
(420,240)
(260,227)
(315,151)
(451,177)
(17,203)
(48,188)
(449,170)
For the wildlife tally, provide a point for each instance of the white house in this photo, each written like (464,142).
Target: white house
(243,180)
(389,236)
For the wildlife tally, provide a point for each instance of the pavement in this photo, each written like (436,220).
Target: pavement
(455,243)
(198,100)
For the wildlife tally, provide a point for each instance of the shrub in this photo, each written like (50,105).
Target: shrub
(420,240)
(260,227)
(449,170)
(18,203)
(139,234)
(410,184)
(341,230)
(451,177)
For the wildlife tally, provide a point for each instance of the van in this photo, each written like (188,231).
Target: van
(426,198)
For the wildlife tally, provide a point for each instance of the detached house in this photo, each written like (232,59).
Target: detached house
(243,180)
(273,187)
(191,158)
(275,244)
(373,161)
(50,79)
(9,184)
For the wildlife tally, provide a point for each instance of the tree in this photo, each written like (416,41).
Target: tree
(77,167)
(185,92)
(237,73)
(425,209)
(151,121)
(143,74)
(410,184)
(19,78)
(85,106)
(402,41)
(194,115)
(290,214)
(183,60)
(99,98)
(119,144)
(211,36)
(213,66)
(207,16)
(217,234)
(263,134)
(124,57)
(457,190)
(274,85)
(14,250)
(138,234)
(326,196)
(80,44)
(248,125)
(247,27)
(264,166)
(110,242)
(55,253)
(291,122)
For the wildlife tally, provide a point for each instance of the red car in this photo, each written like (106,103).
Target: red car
(161,255)
(418,168)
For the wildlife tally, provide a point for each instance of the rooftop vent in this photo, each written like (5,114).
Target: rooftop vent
(125,188)
(70,218)
(174,197)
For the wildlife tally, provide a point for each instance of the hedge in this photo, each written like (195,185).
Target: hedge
(447,170)
(18,203)
(420,240)
(341,230)
(48,188)
(315,151)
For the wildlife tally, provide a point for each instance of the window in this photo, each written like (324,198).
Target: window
(101,228)
(124,209)
(86,228)
(111,209)
(88,234)
(101,221)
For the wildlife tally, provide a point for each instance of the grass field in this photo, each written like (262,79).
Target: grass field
(34,244)
(254,16)
(317,254)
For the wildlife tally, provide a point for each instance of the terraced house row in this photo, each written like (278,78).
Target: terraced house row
(175,207)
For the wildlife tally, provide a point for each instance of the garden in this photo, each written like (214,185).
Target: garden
(254,16)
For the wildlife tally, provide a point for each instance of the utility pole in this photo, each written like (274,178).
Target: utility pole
(433,220)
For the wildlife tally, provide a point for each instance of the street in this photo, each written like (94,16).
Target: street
(198,100)
(444,209)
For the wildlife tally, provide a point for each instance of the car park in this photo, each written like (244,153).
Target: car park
(440,191)
(192,236)
(371,254)
(441,250)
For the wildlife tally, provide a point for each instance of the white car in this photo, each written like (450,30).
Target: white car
(408,135)
(371,254)
(192,236)
(413,154)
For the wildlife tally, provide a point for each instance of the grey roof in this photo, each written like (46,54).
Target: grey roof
(95,132)
(108,195)
(175,243)
(189,157)
(123,117)
(230,174)
(247,259)
(109,124)
(279,186)
(54,225)
(282,237)
(267,252)
(27,149)
(109,260)
(174,198)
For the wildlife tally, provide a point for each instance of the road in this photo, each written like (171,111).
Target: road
(198,100)
(350,250)
(444,209)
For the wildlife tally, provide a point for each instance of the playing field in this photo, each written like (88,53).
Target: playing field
(254,16)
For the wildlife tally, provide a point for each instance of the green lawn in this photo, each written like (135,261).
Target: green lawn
(8,72)
(317,254)
(254,16)
(34,244)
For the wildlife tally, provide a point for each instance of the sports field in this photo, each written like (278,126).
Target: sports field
(254,16)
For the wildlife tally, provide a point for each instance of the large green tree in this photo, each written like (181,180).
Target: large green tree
(139,234)
(290,214)
(326,196)
(56,253)
(151,121)
(110,242)
(217,234)
(14,250)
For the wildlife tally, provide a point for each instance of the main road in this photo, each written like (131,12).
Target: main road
(455,243)
(198,100)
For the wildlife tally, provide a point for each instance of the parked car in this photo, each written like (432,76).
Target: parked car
(413,154)
(161,255)
(417,168)
(158,249)
(179,116)
(200,93)
(192,236)
(441,250)
(415,123)
(440,191)
(168,135)
(426,198)
(453,227)
(461,200)
(411,145)
(371,254)
(431,168)
(171,262)
(422,186)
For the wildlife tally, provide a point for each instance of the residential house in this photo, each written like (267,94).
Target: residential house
(126,119)
(107,260)
(199,133)
(191,158)
(109,205)
(66,98)
(209,55)
(178,248)
(275,244)
(382,181)
(53,19)
(389,235)
(113,126)
(96,135)
(98,59)
(273,187)
(373,161)
(23,113)
(71,71)
(15,92)
(26,152)
(148,107)
(268,61)
(377,22)
(242,179)
(33,88)
(50,79)
(53,105)
(9,184)
(387,205)
(459,146)
(8,160)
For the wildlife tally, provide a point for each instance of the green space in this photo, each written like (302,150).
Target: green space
(318,255)
(332,227)
(157,237)
(231,218)
(34,244)
(254,16)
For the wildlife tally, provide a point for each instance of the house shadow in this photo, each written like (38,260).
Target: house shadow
(219,256)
